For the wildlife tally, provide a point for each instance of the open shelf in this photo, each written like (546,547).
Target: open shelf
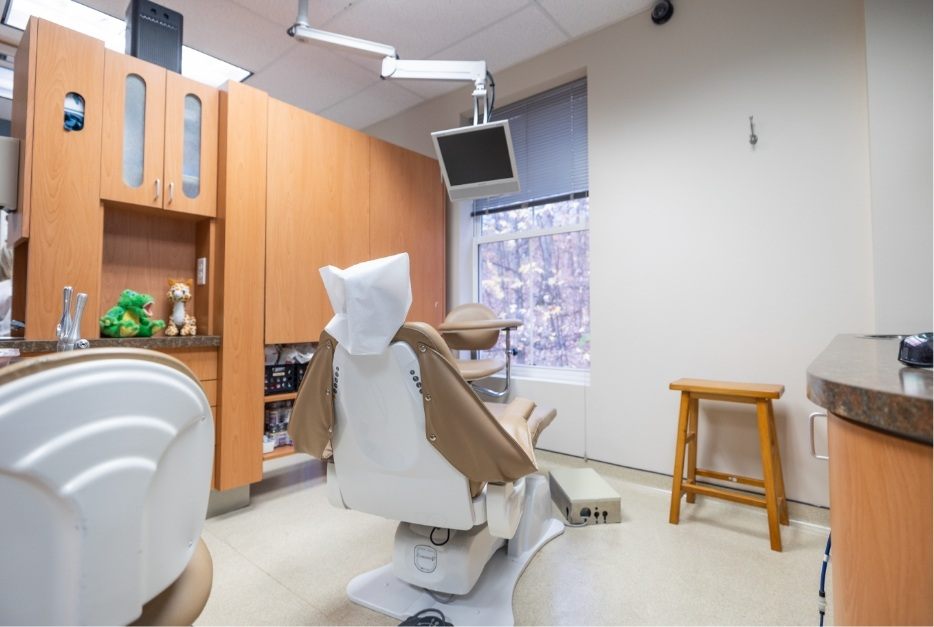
(281,451)
(286,396)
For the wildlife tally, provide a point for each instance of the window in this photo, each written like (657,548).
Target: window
(532,248)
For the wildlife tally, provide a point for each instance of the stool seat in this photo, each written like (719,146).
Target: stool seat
(759,394)
(729,388)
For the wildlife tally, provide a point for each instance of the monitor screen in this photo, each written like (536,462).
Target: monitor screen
(477,161)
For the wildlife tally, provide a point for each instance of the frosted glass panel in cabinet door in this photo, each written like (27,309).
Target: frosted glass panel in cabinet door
(191,149)
(134,130)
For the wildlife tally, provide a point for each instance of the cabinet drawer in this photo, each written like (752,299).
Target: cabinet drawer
(210,390)
(202,361)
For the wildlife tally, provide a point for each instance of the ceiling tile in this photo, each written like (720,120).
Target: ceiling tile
(521,36)
(312,78)
(432,89)
(221,28)
(599,13)
(284,12)
(377,102)
(420,28)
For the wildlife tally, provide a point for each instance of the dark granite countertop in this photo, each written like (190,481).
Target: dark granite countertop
(860,378)
(159,342)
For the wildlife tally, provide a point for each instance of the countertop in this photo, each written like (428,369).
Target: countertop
(159,342)
(860,378)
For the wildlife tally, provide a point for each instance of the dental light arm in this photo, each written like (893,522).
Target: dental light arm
(304,32)
(467,71)
(394,67)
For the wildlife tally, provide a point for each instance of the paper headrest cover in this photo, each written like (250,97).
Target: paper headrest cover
(370,301)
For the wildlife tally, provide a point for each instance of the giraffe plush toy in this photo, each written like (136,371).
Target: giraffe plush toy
(180,323)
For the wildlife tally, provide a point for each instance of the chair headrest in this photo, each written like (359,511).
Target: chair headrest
(370,301)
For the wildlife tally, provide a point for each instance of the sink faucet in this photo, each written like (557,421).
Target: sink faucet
(68,330)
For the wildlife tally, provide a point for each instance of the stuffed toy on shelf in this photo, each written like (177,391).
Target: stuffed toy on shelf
(131,317)
(180,323)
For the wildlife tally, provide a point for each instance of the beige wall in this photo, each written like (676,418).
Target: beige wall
(709,258)
(898,71)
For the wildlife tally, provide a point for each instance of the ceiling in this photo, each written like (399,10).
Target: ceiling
(345,86)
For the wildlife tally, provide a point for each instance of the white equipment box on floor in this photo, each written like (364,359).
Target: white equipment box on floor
(584,497)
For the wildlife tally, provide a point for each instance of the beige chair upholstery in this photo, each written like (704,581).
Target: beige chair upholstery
(182,602)
(474,327)
(485,442)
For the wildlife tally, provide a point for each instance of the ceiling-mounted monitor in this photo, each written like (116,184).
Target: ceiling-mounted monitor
(477,161)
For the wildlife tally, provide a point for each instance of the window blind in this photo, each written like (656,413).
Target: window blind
(549,136)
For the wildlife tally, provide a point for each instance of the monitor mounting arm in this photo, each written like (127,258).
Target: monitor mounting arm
(394,67)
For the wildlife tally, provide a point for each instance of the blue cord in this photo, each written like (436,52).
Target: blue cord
(822,596)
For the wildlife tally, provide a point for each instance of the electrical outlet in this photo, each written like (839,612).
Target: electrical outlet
(202,273)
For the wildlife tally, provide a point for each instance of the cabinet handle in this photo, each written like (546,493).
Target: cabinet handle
(171,192)
(811,420)
(158,189)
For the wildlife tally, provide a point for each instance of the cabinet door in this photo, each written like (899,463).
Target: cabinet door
(317,214)
(190,146)
(66,229)
(407,215)
(133,134)
(880,513)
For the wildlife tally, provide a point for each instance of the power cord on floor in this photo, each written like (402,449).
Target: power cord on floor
(431,616)
(821,595)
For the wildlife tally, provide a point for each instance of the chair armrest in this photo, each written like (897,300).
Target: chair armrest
(478,325)
(334,490)
(504,507)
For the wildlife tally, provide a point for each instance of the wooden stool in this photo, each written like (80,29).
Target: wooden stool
(761,395)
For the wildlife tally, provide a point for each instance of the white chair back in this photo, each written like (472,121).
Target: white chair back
(384,463)
(105,468)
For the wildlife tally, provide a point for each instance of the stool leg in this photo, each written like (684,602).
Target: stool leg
(692,447)
(676,478)
(768,472)
(777,466)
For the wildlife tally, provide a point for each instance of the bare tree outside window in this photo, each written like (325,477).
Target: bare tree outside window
(542,277)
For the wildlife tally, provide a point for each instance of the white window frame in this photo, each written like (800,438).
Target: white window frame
(522,371)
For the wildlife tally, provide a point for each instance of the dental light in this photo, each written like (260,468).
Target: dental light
(467,149)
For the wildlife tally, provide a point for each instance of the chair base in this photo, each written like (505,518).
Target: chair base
(490,601)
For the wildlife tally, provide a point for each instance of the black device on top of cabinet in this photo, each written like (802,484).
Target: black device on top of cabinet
(154,34)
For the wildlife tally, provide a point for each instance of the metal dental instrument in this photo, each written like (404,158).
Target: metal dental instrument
(60,329)
(68,329)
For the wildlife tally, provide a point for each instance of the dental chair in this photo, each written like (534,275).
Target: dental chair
(406,438)
(105,468)
(474,327)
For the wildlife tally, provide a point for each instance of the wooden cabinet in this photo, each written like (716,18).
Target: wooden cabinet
(190,165)
(60,212)
(317,213)
(134,129)
(241,240)
(159,145)
(335,196)
(407,214)
(880,514)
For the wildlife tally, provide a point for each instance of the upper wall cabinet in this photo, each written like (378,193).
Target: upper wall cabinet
(317,213)
(407,216)
(190,146)
(159,145)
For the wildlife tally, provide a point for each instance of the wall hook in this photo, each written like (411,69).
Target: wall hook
(753,138)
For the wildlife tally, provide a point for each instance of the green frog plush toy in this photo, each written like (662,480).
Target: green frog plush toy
(131,317)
